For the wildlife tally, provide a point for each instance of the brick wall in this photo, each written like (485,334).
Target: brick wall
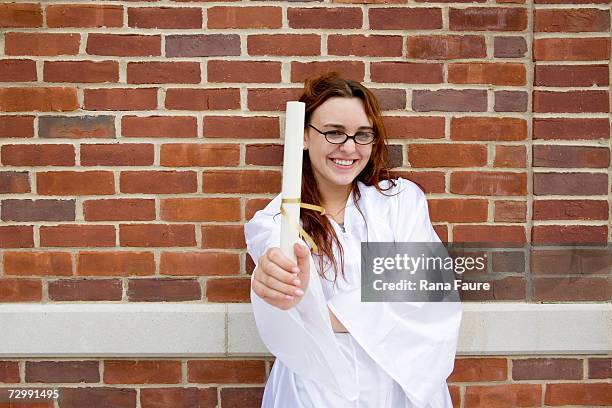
(138,137)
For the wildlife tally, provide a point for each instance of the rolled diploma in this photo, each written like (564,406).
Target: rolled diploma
(292,175)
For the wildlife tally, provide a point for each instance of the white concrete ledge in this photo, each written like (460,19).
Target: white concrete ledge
(200,330)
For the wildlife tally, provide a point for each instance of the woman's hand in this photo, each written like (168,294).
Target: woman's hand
(280,281)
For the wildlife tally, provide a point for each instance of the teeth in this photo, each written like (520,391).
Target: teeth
(343,162)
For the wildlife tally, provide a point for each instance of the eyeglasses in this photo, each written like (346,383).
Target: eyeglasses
(338,137)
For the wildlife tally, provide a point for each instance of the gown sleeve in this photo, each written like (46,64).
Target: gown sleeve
(301,337)
(415,342)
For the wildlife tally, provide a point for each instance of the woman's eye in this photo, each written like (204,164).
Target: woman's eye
(334,133)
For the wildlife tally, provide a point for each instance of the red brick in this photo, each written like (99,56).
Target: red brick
(569,260)
(571,21)
(570,183)
(200,209)
(37,263)
(16,126)
(70,235)
(271,99)
(241,181)
(20,15)
(142,372)
(571,289)
(159,126)
(354,70)
(199,154)
(87,371)
(510,156)
(447,46)
(600,367)
(81,71)
(447,155)
(76,127)
(571,49)
(90,396)
(125,154)
(510,211)
(219,236)
(84,15)
(493,183)
(510,74)
(489,233)
(457,210)
(474,369)
(411,127)
(158,182)
(244,71)
(225,371)
(571,75)
(14,182)
(449,100)
(20,290)
(118,99)
(571,128)
(569,234)
(284,44)
(241,396)
(163,290)
(253,205)
(38,155)
(9,371)
(241,127)
(570,210)
(157,235)
(228,290)
(406,72)
(163,72)
(365,46)
(38,99)
(117,263)
(42,44)
(264,154)
(393,18)
(571,156)
(179,396)
(97,182)
(428,181)
(124,209)
(547,369)
(165,17)
(244,17)
(488,128)
(509,47)
(26,210)
(202,45)
(124,45)
(488,18)
(202,99)
(571,101)
(199,263)
(503,396)
(325,17)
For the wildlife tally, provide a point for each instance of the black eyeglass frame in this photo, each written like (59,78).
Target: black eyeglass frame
(345,134)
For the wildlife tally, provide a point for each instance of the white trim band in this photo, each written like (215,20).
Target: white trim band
(217,330)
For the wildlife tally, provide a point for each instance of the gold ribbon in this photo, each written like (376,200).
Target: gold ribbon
(301,231)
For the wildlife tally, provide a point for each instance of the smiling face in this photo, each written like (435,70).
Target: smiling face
(347,115)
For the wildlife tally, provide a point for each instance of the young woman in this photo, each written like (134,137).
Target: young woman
(331,349)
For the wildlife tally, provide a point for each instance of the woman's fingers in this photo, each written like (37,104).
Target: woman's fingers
(265,292)
(274,277)
(276,255)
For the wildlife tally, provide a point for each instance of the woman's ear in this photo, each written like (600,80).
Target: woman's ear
(306,140)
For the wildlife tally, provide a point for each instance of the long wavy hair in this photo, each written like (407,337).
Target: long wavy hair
(317,90)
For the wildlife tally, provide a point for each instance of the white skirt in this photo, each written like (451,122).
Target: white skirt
(377,389)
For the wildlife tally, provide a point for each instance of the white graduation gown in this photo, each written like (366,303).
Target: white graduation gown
(396,354)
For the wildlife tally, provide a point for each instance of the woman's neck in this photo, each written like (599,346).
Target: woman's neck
(334,199)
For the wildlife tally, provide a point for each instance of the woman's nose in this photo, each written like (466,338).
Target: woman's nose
(348,145)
